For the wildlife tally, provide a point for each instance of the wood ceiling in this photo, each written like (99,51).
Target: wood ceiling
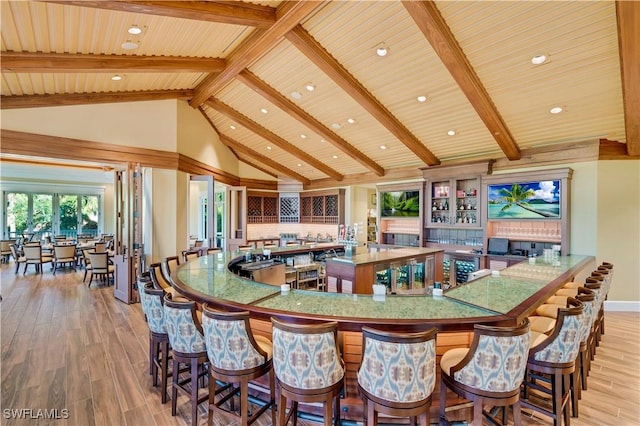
(230,60)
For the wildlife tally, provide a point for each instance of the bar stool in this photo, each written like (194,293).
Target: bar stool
(169,265)
(490,372)
(187,343)
(236,357)
(308,367)
(397,374)
(157,278)
(152,300)
(583,363)
(551,362)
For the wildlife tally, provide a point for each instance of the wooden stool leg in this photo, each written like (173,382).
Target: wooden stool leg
(174,386)
(194,391)
(165,370)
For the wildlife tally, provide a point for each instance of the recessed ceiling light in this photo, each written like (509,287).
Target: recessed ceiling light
(116,77)
(232,127)
(310,87)
(134,30)
(539,59)
(382,50)
(263,110)
(129,45)
(299,165)
(268,147)
(451,132)
(334,157)
(303,136)
(351,120)
(322,140)
(556,110)
(335,126)
(383,147)
(296,95)
(422,98)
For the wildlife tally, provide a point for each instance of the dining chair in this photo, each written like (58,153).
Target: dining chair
(100,247)
(236,357)
(18,257)
(64,254)
(397,374)
(188,347)
(101,267)
(157,278)
(489,372)
(33,256)
(308,368)
(169,265)
(546,387)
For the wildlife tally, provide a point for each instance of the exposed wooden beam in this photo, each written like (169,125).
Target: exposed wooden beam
(289,14)
(614,150)
(237,146)
(306,119)
(35,101)
(226,12)
(255,165)
(437,32)
(273,138)
(628,13)
(319,56)
(67,62)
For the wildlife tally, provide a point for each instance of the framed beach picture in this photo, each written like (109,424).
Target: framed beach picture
(524,200)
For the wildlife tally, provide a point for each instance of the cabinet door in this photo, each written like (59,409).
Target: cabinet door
(467,202)
(440,199)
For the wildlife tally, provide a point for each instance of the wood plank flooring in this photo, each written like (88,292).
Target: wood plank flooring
(69,347)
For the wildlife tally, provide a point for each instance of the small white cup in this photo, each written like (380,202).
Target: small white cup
(437,292)
(495,273)
(532,260)
(284,288)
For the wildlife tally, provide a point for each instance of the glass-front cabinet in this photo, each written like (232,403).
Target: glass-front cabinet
(454,202)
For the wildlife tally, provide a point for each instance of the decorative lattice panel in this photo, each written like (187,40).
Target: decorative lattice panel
(254,209)
(305,210)
(331,209)
(270,210)
(289,209)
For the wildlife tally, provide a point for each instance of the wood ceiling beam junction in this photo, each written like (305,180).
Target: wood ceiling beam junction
(67,62)
(307,120)
(273,138)
(225,12)
(302,40)
(289,14)
(436,31)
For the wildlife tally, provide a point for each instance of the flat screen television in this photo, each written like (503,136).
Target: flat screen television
(400,204)
(524,200)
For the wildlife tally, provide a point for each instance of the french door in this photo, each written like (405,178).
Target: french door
(38,215)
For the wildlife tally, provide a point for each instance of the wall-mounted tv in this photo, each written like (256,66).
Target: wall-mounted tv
(524,200)
(400,204)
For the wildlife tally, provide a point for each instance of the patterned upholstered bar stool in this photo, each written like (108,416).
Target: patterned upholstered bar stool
(152,301)
(236,357)
(490,372)
(169,264)
(187,343)
(547,388)
(157,278)
(595,284)
(397,374)
(308,367)
(583,363)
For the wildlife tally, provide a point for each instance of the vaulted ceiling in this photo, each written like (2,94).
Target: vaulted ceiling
(247,66)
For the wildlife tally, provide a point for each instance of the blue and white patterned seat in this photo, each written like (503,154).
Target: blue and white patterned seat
(236,357)
(397,374)
(308,367)
(187,342)
(552,362)
(490,372)
(151,300)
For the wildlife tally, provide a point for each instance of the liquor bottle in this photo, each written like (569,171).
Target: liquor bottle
(446,205)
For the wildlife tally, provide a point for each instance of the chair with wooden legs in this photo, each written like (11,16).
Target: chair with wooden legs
(152,301)
(188,346)
(190,255)
(101,267)
(33,256)
(308,368)
(18,257)
(236,357)
(100,247)
(5,249)
(397,374)
(490,372)
(63,255)
(547,388)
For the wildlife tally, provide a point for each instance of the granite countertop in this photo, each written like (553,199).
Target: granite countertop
(208,277)
(386,255)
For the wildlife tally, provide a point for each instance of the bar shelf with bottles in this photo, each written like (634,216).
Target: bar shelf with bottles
(459,208)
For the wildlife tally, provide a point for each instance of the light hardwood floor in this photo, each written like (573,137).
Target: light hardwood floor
(66,346)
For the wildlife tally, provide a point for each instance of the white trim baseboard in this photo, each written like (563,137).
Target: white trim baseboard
(620,306)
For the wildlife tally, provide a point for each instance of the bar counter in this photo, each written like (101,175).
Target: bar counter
(503,300)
